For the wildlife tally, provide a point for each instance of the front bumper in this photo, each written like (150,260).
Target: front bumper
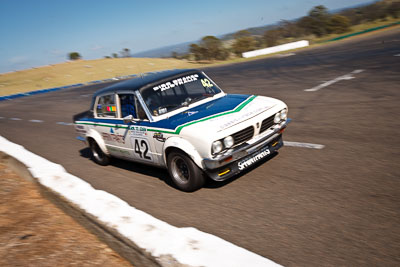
(244,156)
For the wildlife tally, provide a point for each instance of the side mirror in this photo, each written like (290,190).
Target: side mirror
(128,119)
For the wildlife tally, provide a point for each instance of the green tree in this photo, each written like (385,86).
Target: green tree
(320,20)
(212,48)
(197,51)
(290,29)
(241,34)
(174,54)
(339,24)
(374,11)
(319,12)
(243,42)
(74,56)
(126,52)
(317,21)
(305,23)
(223,54)
(394,9)
(271,37)
(354,15)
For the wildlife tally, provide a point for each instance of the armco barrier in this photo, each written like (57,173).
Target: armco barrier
(364,31)
(10,97)
(136,235)
(275,49)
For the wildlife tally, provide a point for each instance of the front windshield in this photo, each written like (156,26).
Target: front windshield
(178,92)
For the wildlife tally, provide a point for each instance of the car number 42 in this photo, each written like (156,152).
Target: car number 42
(141,148)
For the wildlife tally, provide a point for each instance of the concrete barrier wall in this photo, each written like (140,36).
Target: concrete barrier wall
(276,49)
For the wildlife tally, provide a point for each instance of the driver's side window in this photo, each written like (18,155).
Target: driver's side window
(130,106)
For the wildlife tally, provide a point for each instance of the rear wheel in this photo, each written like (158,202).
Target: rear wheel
(184,172)
(97,154)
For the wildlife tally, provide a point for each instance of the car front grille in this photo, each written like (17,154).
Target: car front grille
(267,123)
(243,135)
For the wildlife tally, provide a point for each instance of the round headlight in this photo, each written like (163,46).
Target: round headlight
(216,147)
(277,118)
(283,114)
(228,141)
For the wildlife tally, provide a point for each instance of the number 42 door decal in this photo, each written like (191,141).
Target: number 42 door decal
(141,148)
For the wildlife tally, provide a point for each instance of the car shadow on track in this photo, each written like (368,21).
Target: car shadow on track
(162,174)
(134,167)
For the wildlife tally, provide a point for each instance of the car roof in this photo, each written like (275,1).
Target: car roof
(143,80)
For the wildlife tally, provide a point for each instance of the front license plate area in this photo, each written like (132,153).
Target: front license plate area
(254,158)
(260,154)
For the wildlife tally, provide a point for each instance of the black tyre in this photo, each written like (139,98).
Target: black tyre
(98,155)
(184,172)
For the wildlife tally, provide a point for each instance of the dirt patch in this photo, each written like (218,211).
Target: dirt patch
(34,232)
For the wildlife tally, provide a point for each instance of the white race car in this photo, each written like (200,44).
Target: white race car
(181,120)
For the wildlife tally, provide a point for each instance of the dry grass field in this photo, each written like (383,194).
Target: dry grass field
(82,71)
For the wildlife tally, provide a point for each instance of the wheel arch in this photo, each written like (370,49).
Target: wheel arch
(95,136)
(184,146)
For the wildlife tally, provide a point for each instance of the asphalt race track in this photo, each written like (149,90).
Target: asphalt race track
(339,205)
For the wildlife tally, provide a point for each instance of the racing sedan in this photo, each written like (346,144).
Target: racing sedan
(182,121)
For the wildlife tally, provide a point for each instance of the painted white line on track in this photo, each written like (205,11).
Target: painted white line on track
(340,78)
(286,143)
(356,71)
(304,145)
(398,55)
(65,123)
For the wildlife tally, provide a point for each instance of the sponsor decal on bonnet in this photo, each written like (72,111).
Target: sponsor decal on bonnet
(250,111)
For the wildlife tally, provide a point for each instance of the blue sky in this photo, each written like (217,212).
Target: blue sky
(40,32)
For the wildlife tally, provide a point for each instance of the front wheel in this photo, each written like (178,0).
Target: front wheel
(98,155)
(184,172)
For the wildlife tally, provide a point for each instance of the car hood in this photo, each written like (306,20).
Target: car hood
(221,113)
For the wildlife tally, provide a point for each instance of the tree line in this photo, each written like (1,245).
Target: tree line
(126,52)
(318,23)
